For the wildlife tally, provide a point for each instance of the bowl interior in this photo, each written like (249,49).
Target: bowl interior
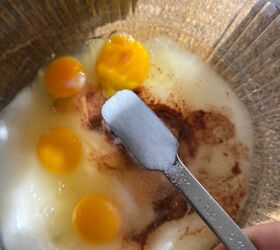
(240,39)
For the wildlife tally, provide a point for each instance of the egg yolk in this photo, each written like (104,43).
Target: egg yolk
(123,63)
(96,219)
(64,77)
(59,150)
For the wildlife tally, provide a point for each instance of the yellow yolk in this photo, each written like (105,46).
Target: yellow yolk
(59,151)
(64,77)
(96,219)
(123,64)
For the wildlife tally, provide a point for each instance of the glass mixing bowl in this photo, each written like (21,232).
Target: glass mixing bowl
(240,39)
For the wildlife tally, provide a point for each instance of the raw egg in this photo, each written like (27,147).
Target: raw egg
(123,63)
(96,219)
(64,77)
(59,150)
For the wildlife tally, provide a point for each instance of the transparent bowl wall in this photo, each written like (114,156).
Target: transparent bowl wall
(240,39)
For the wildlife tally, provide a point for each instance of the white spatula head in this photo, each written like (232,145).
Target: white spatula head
(140,130)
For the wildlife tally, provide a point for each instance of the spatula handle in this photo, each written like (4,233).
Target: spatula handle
(207,208)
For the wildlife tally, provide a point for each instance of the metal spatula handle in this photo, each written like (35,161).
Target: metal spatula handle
(208,209)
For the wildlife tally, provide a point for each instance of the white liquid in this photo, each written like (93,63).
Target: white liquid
(29,205)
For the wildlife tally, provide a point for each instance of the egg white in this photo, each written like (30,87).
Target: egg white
(196,83)
(180,75)
(36,206)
